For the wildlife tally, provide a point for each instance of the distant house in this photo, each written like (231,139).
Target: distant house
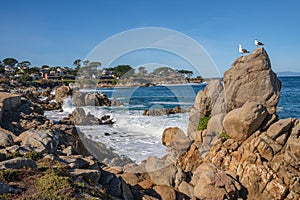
(9,69)
(35,76)
(44,72)
(69,77)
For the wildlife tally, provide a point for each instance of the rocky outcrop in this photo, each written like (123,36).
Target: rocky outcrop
(251,79)
(61,93)
(91,99)
(8,102)
(210,101)
(42,141)
(161,111)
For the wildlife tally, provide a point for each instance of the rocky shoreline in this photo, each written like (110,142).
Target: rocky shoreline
(236,146)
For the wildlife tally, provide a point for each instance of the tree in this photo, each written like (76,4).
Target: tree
(45,66)
(95,64)
(142,71)
(121,70)
(24,64)
(86,62)
(187,73)
(77,63)
(10,61)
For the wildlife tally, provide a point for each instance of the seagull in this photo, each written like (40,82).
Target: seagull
(257,43)
(241,50)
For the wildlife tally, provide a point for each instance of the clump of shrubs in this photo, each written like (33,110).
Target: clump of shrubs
(203,123)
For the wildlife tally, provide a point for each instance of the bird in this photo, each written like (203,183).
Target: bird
(242,51)
(257,43)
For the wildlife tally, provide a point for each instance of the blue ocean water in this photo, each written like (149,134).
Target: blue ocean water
(139,136)
(142,98)
(289,102)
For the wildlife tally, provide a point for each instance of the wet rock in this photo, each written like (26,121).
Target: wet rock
(161,111)
(61,93)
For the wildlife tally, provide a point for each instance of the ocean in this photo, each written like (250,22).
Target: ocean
(138,136)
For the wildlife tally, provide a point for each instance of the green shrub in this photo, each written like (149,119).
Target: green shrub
(9,175)
(32,155)
(203,123)
(223,135)
(52,186)
(15,154)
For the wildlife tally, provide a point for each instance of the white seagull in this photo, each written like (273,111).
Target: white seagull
(241,50)
(257,43)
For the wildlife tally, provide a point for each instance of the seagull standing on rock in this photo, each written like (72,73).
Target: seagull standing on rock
(242,51)
(257,43)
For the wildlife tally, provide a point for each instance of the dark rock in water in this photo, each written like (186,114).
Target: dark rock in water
(251,79)
(106,119)
(161,111)
(91,99)
(79,117)
(106,134)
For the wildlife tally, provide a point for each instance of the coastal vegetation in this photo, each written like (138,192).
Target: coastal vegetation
(11,70)
(203,123)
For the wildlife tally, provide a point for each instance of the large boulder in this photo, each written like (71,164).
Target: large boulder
(91,99)
(211,183)
(6,139)
(161,172)
(61,93)
(251,79)
(4,189)
(18,163)
(176,139)
(42,141)
(210,101)
(240,123)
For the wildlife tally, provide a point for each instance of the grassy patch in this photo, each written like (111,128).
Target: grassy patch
(15,154)
(32,155)
(203,123)
(224,136)
(52,186)
(9,175)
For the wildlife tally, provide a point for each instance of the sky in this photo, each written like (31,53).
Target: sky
(56,32)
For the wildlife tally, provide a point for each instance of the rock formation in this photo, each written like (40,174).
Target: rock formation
(251,79)
(236,148)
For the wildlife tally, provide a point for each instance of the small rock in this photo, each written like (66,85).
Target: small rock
(4,188)
(18,163)
(165,192)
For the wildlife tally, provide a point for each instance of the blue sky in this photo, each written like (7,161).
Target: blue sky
(58,32)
